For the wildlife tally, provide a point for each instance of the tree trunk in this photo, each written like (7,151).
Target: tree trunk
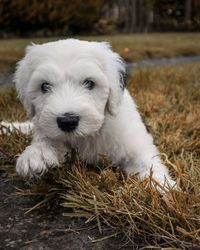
(120,10)
(133,13)
(188,9)
(141,18)
(126,15)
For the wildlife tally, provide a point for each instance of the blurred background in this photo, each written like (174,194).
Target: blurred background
(38,18)
(137,29)
(151,36)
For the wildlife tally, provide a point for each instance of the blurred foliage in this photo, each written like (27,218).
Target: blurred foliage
(197,11)
(64,17)
(176,15)
(24,17)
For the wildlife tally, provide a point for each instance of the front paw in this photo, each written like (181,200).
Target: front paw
(35,160)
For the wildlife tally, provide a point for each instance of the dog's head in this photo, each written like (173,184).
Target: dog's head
(69,86)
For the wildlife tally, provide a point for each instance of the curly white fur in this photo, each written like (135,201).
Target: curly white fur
(109,121)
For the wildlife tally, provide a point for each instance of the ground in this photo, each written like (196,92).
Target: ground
(124,209)
(45,229)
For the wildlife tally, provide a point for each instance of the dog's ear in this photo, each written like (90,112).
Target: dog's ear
(21,79)
(117,77)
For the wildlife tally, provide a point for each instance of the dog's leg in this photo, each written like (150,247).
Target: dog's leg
(133,146)
(41,154)
(147,162)
(23,127)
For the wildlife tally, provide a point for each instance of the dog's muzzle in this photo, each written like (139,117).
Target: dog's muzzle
(68,122)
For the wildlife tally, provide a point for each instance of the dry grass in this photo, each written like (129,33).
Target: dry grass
(11,108)
(132,47)
(169,99)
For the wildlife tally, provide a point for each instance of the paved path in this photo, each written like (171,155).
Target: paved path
(163,61)
(6,78)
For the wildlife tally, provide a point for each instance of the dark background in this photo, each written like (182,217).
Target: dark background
(36,18)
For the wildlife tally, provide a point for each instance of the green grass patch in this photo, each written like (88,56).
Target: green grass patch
(168,99)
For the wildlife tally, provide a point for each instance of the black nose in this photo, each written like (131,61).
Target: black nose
(68,122)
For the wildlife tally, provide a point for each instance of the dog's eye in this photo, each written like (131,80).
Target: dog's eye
(89,84)
(45,87)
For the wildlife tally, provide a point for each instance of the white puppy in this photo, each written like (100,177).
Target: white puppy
(74,92)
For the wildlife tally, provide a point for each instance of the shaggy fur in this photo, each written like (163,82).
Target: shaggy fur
(109,121)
